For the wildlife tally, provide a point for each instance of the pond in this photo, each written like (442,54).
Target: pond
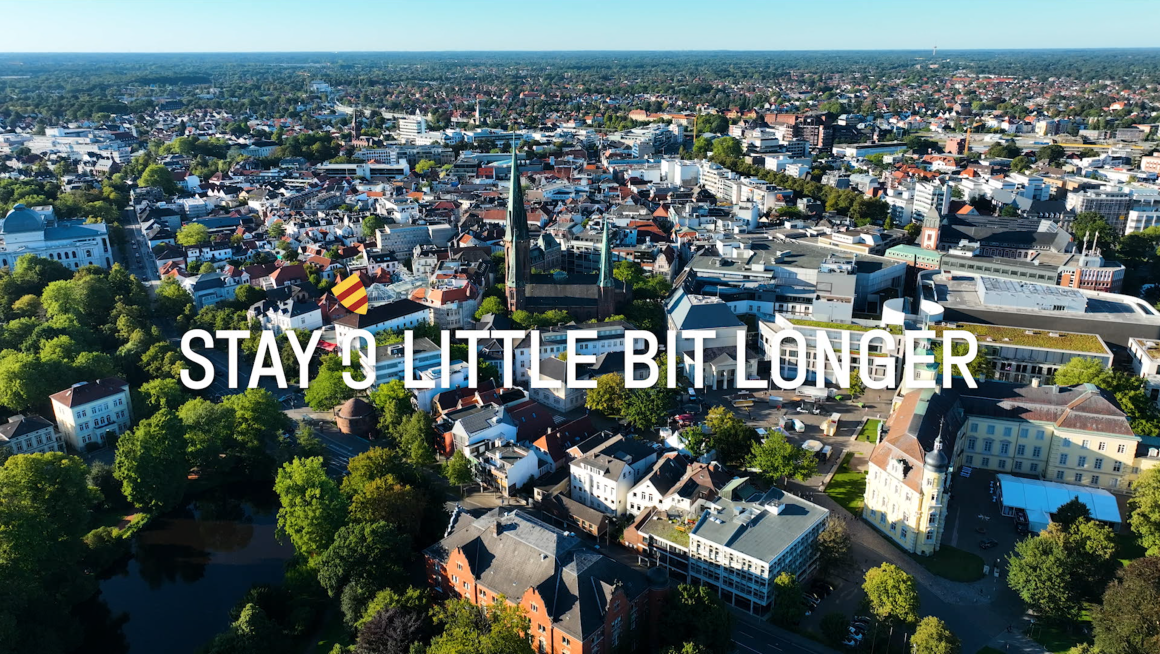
(187,570)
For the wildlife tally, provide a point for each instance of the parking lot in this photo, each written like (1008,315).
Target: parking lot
(974,515)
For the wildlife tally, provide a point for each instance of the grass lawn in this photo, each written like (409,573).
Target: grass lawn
(869,432)
(952,563)
(847,487)
(1057,639)
(1129,547)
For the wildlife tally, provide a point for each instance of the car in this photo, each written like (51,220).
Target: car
(861,619)
(851,642)
(822,587)
(987,543)
(857,630)
(685,419)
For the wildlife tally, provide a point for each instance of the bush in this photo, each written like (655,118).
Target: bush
(835,628)
(103,547)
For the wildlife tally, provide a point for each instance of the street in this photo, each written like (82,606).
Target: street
(139,259)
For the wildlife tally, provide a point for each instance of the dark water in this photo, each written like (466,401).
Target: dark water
(187,570)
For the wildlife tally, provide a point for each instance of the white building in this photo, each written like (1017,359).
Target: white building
(30,435)
(602,478)
(24,231)
(86,412)
(283,316)
(393,316)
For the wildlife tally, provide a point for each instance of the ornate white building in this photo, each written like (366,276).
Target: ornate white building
(24,231)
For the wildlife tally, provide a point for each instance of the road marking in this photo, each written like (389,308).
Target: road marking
(739,644)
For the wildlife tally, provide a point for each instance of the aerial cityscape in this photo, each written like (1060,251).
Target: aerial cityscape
(242,410)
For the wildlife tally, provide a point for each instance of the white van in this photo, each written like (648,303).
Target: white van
(798,425)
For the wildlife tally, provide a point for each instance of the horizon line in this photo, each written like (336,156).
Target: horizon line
(593,51)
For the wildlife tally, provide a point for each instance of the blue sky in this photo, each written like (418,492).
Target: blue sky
(417,25)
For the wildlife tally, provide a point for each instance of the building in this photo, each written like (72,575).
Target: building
(30,435)
(24,231)
(746,537)
(393,316)
(87,413)
(409,128)
(607,470)
(1146,363)
(863,150)
(677,486)
(1112,205)
(789,359)
(1030,356)
(577,600)
(389,361)
(286,315)
(452,302)
(581,295)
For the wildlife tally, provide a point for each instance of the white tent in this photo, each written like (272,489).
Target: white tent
(1042,498)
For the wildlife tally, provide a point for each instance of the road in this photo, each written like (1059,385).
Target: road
(140,258)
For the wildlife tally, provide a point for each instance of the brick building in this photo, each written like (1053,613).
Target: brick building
(578,600)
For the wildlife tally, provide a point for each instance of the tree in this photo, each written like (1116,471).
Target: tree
(499,628)
(1145,505)
(1070,512)
(208,431)
(1039,571)
(415,437)
(423,166)
(491,304)
(368,551)
(1020,164)
(933,637)
(608,396)
(328,389)
(1128,620)
(1050,153)
(892,594)
(252,633)
(162,394)
(696,440)
(835,628)
(392,631)
(158,176)
(695,614)
(1094,226)
(151,462)
(411,599)
(457,470)
(789,606)
(979,367)
(390,501)
(833,546)
(192,234)
(247,295)
(647,408)
(313,509)
(276,230)
(726,147)
(729,435)
(777,458)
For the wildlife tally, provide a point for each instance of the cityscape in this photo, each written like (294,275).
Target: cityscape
(335,210)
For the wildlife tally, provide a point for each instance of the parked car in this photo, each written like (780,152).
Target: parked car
(987,543)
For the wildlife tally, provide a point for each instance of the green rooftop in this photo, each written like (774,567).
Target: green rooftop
(821,324)
(667,530)
(1039,338)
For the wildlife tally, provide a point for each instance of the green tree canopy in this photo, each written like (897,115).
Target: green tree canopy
(1128,620)
(695,614)
(933,637)
(151,462)
(892,594)
(500,628)
(313,509)
(777,458)
(158,176)
(608,396)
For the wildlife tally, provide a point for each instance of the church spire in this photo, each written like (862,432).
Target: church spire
(516,243)
(605,258)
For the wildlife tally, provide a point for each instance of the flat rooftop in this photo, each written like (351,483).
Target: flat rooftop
(960,291)
(1030,338)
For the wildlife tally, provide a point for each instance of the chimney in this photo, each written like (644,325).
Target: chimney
(1035,382)
(498,528)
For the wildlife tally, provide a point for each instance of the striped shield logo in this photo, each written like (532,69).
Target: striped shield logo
(351,294)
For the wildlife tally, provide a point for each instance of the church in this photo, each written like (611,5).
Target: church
(25,231)
(583,296)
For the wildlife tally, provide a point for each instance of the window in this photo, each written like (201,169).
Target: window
(1117,466)
(974,427)
(902,533)
(1120,449)
(1004,448)
(1007,432)
(1059,475)
(1066,443)
(971,443)
(1098,464)
(1095,480)
(930,535)
(990,430)
(988,445)
(986,461)
(1081,462)
(1114,483)
(1002,464)
(1063,459)
(1018,465)
(1039,434)
(1020,450)
(1034,467)
(1036,452)
(970,460)
(1102,446)
(1085,443)
(535,609)
(1078,477)
(1023,431)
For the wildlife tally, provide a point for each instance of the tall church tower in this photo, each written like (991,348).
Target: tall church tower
(931,223)
(354,124)
(606,295)
(516,243)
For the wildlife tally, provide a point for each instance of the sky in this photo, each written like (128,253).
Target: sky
(538,25)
